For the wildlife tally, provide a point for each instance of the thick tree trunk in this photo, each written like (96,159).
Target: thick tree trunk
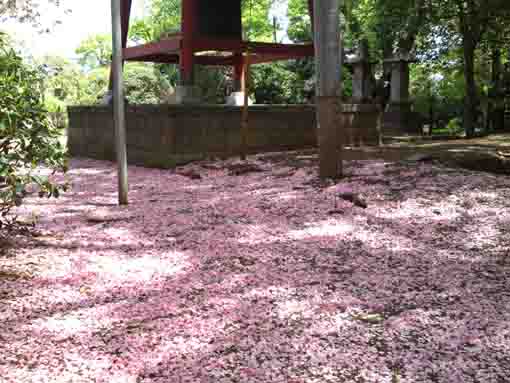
(387,55)
(496,69)
(327,49)
(470,104)
(415,20)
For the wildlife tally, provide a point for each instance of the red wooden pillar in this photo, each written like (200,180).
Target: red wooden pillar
(125,13)
(188,30)
(239,73)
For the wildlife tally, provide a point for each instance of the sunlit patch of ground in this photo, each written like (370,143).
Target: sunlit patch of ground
(264,277)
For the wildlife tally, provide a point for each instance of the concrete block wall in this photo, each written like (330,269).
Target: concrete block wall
(169,135)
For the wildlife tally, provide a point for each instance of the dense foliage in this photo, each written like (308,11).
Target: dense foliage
(458,45)
(27,137)
(96,50)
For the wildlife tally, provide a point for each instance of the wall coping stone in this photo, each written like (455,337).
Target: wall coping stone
(189,108)
(346,108)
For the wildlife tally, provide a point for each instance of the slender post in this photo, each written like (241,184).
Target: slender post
(118,103)
(328,71)
(125,13)
(244,118)
(275,30)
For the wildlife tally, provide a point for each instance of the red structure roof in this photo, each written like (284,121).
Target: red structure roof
(211,34)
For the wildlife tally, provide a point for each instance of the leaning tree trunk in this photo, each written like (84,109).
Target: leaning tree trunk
(470,104)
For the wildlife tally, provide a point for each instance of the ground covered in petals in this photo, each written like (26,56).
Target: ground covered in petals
(220,273)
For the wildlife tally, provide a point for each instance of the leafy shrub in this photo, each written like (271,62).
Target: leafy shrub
(28,139)
(454,126)
(275,84)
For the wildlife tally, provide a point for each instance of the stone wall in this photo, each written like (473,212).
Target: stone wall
(168,135)
(403,122)
(360,124)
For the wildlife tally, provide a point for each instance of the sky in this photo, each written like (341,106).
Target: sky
(87,17)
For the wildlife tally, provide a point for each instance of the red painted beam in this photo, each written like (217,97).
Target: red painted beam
(158,58)
(174,59)
(203,44)
(215,60)
(287,49)
(268,58)
(263,52)
(163,47)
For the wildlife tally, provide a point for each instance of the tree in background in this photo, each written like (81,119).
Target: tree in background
(444,35)
(143,81)
(28,11)
(474,19)
(256,21)
(28,139)
(95,51)
(436,31)
(165,19)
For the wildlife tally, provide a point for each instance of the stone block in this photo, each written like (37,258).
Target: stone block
(401,123)
(359,123)
(185,94)
(237,99)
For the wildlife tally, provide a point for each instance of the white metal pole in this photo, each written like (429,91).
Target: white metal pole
(119,118)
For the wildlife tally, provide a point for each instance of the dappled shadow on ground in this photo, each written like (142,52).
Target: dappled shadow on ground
(489,154)
(265,277)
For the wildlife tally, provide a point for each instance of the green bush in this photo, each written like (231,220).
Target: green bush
(28,139)
(454,126)
(275,84)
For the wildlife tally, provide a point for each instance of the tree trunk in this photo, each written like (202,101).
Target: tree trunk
(470,104)
(244,114)
(415,20)
(387,55)
(494,121)
(496,69)
(327,50)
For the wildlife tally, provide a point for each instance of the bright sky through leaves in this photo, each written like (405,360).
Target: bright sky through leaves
(87,18)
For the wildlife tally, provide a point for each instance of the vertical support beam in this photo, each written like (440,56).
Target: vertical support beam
(238,73)
(188,29)
(125,14)
(119,117)
(244,116)
(327,50)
